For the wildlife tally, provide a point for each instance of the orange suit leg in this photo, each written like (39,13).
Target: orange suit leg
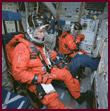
(51,100)
(72,83)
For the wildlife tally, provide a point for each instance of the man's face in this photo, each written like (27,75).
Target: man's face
(40,34)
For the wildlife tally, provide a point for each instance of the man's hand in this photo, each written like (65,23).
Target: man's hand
(80,38)
(53,54)
(46,78)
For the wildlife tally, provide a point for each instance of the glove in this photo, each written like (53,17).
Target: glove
(46,79)
(78,40)
(81,37)
(53,55)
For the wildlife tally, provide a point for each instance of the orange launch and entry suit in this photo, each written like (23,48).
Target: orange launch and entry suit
(67,44)
(24,69)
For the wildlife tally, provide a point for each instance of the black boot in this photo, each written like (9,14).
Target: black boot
(82,76)
(82,98)
(90,96)
(87,96)
(80,73)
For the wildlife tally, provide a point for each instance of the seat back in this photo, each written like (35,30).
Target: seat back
(9,16)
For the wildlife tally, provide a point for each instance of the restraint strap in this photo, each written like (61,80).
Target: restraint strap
(40,91)
(41,58)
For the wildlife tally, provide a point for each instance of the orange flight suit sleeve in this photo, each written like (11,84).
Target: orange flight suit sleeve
(20,64)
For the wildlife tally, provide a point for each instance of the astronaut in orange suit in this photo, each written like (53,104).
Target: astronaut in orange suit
(30,64)
(69,45)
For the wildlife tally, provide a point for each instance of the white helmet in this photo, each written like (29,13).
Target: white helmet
(75,27)
(35,23)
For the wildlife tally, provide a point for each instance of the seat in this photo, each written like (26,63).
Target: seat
(12,100)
